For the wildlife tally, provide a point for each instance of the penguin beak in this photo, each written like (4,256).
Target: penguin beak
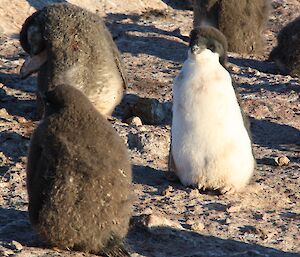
(195,49)
(32,64)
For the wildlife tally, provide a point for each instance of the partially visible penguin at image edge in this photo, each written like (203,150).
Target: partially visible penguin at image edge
(286,54)
(241,21)
(71,45)
(78,177)
(210,145)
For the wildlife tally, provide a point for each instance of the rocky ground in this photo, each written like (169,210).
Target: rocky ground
(169,219)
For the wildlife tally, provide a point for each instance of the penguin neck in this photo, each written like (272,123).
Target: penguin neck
(205,57)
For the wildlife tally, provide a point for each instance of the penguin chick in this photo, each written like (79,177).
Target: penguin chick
(71,45)
(241,21)
(78,176)
(210,146)
(286,54)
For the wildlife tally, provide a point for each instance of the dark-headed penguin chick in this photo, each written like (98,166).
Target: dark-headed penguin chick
(68,44)
(241,21)
(78,177)
(210,145)
(286,54)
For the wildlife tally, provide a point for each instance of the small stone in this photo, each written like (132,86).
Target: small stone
(136,121)
(21,119)
(198,226)
(235,69)
(234,208)
(282,160)
(16,246)
(263,234)
(153,221)
(249,229)
(167,191)
(6,252)
(148,211)
(194,193)
(227,221)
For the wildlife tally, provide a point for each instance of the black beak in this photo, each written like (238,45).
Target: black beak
(195,49)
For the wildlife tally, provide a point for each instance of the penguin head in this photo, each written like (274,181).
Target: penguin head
(62,96)
(31,34)
(210,38)
(33,42)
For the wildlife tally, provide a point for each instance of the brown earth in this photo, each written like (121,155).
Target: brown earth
(169,219)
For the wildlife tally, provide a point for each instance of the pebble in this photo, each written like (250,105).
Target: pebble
(167,191)
(194,193)
(6,252)
(21,119)
(153,221)
(234,208)
(135,121)
(16,246)
(282,160)
(198,226)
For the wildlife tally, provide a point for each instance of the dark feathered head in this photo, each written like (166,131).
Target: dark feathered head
(31,35)
(207,37)
(65,96)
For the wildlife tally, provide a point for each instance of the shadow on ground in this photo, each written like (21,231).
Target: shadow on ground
(15,225)
(37,4)
(262,66)
(274,136)
(166,241)
(146,175)
(169,49)
(16,103)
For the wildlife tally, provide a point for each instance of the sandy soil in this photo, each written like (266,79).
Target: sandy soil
(169,219)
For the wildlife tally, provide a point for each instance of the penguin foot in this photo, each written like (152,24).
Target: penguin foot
(227,190)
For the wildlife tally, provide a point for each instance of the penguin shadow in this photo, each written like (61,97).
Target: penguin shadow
(275,136)
(14,147)
(17,104)
(168,49)
(37,4)
(146,175)
(262,66)
(273,87)
(15,225)
(167,241)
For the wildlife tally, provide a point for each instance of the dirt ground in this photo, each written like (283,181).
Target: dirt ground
(169,219)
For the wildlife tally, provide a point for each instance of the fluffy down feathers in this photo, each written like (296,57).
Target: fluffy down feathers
(78,176)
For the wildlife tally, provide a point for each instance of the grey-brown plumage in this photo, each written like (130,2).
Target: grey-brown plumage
(79,51)
(78,176)
(287,52)
(241,21)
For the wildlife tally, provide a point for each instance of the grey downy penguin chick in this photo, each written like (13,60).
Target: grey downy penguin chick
(78,177)
(241,21)
(286,54)
(210,145)
(71,45)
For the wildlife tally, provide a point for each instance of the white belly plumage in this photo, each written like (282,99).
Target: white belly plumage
(210,145)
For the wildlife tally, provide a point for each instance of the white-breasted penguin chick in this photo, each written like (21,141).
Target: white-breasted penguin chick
(210,145)
(78,177)
(71,45)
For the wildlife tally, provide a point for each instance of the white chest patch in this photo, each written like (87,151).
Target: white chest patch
(210,145)
(108,92)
